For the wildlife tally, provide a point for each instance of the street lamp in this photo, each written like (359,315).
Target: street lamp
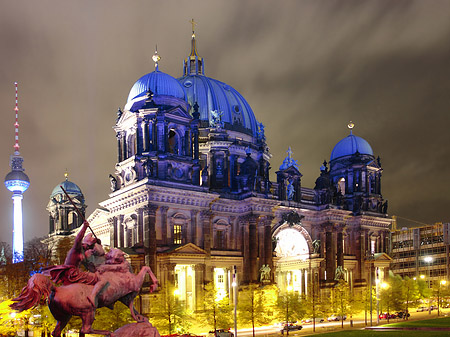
(442,282)
(234,284)
(289,289)
(429,260)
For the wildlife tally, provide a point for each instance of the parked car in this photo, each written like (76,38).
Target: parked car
(291,327)
(402,314)
(420,309)
(221,333)
(433,307)
(336,318)
(310,320)
(387,315)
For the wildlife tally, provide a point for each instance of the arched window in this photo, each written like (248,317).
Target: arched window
(341,186)
(178,223)
(72,220)
(173,142)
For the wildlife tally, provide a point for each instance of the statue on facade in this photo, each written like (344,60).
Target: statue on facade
(290,190)
(260,132)
(108,279)
(216,119)
(339,274)
(316,246)
(264,272)
(113,183)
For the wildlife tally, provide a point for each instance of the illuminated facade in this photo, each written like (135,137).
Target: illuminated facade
(17,182)
(191,195)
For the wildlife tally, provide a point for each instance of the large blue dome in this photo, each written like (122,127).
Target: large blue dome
(159,83)
(214,95)
(349,146)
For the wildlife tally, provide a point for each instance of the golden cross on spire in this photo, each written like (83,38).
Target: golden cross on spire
(193,23)
(156,58)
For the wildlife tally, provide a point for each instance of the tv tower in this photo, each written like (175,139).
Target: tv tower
(17,182)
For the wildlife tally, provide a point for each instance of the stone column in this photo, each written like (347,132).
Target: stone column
(112,232)
(330,256)
(193,233)
(149,224)
(340,246)
(163,216)
(244,234)
(199,282)
(205,222)
(268,256)
(253,247)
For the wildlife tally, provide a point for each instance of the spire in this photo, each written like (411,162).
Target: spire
(351,125)
(156,58)
(16,124)
(193,64)
(193,44)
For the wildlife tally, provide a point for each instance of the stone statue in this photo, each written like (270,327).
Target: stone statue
(216,119)
(109,279)
(316,246)
(260,132)
(339,274)
(113,183)
(264,273)
(290,190)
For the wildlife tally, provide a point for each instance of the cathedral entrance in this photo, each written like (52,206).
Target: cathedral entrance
(293,262)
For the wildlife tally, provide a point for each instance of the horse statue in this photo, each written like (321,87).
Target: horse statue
(73,299)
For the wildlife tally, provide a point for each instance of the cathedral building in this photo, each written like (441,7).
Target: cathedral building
(191,195)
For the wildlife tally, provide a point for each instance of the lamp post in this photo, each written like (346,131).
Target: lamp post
(429,260)
(234,284)
(289,289)
(442,282)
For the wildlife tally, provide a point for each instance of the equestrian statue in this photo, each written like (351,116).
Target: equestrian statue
(70,291)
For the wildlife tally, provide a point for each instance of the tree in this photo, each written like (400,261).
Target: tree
(255,306)
(410,294)
(217,312)
(107,319)
(168,313)
(290,307)
(341,299)
(11,321)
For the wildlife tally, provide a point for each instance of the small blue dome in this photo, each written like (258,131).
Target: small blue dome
(70,187)
(214,95)
(349,146)
(159,83)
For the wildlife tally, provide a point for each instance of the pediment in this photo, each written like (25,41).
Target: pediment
(188,248)
(378,257)
(179,112)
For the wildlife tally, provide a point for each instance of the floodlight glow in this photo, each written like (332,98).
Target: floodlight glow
(428,259)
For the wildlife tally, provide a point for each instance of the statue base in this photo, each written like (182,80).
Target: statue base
(144,329)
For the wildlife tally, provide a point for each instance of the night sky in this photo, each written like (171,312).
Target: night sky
(306,68)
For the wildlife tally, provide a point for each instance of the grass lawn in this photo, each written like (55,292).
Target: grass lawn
(438,322)
(369,333)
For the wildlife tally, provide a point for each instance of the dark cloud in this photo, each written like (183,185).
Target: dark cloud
(305,67)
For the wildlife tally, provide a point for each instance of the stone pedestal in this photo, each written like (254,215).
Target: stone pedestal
(144,329)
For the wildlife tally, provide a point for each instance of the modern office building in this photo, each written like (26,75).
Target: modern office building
(422,252)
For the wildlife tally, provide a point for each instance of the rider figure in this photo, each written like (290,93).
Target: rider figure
(89,251)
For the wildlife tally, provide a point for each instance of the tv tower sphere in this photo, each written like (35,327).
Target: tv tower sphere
(17,182)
